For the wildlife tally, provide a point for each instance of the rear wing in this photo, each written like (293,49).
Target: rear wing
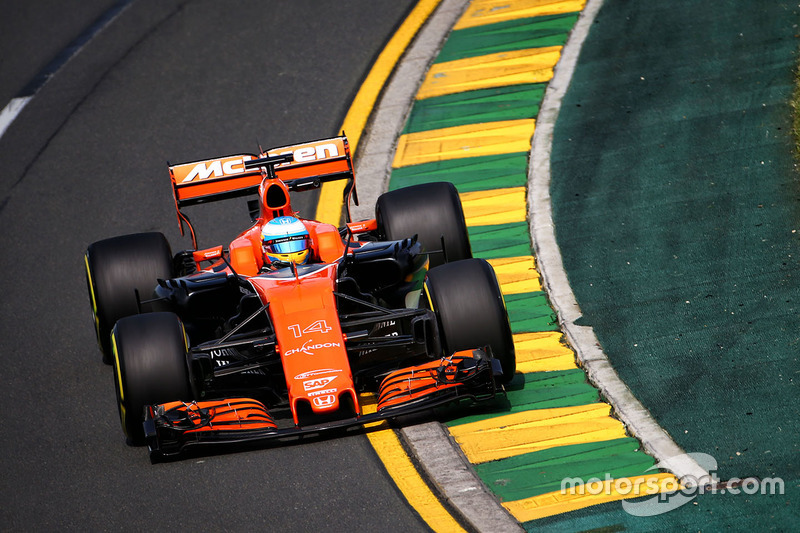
(311,164)
(300,166)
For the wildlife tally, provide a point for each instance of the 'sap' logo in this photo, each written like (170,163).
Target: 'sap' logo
(314,384)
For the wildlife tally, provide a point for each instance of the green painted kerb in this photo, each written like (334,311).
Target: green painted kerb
(536,390)
(512,102)
(530,312)
(468,175)
(520,34)
(501,240)
(532,474)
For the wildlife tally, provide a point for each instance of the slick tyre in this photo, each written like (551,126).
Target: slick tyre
(470,310)
(431,211)
(150,367)
(118,268)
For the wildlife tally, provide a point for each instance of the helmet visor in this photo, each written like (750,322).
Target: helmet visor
(287,245)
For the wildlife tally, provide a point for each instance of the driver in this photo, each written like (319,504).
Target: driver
(284,240)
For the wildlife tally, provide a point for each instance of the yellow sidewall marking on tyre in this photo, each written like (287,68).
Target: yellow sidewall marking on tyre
(93,299)
(428,296)
(117,369)
(91,285)
(122,417)
(482,12)
(123,413)
(329,206)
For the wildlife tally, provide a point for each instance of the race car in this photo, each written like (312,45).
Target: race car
(287,329)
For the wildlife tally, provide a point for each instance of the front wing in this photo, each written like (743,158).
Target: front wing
(173,427)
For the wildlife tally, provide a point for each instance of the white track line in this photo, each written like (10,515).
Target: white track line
(636,417)
(12,110)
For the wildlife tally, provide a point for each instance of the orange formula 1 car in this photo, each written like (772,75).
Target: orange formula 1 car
(277,334)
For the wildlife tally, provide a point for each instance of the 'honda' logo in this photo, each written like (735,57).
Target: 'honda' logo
(325,401)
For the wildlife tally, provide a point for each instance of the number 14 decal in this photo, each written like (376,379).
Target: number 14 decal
(320,326)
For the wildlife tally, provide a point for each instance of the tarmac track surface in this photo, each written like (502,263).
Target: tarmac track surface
(166,80)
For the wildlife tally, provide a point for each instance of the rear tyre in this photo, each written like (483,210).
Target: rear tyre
(469,306)
(118,268)
(429,210)
(150,367)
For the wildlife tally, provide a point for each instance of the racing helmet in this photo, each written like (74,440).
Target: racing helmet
(285,240)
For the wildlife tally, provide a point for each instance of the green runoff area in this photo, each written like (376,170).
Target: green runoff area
(677,210)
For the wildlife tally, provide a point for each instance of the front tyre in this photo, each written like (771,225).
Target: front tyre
(118,268)
(470,310)
(430,210)
(150,367)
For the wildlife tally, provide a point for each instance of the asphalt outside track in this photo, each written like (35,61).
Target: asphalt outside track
(179,81)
